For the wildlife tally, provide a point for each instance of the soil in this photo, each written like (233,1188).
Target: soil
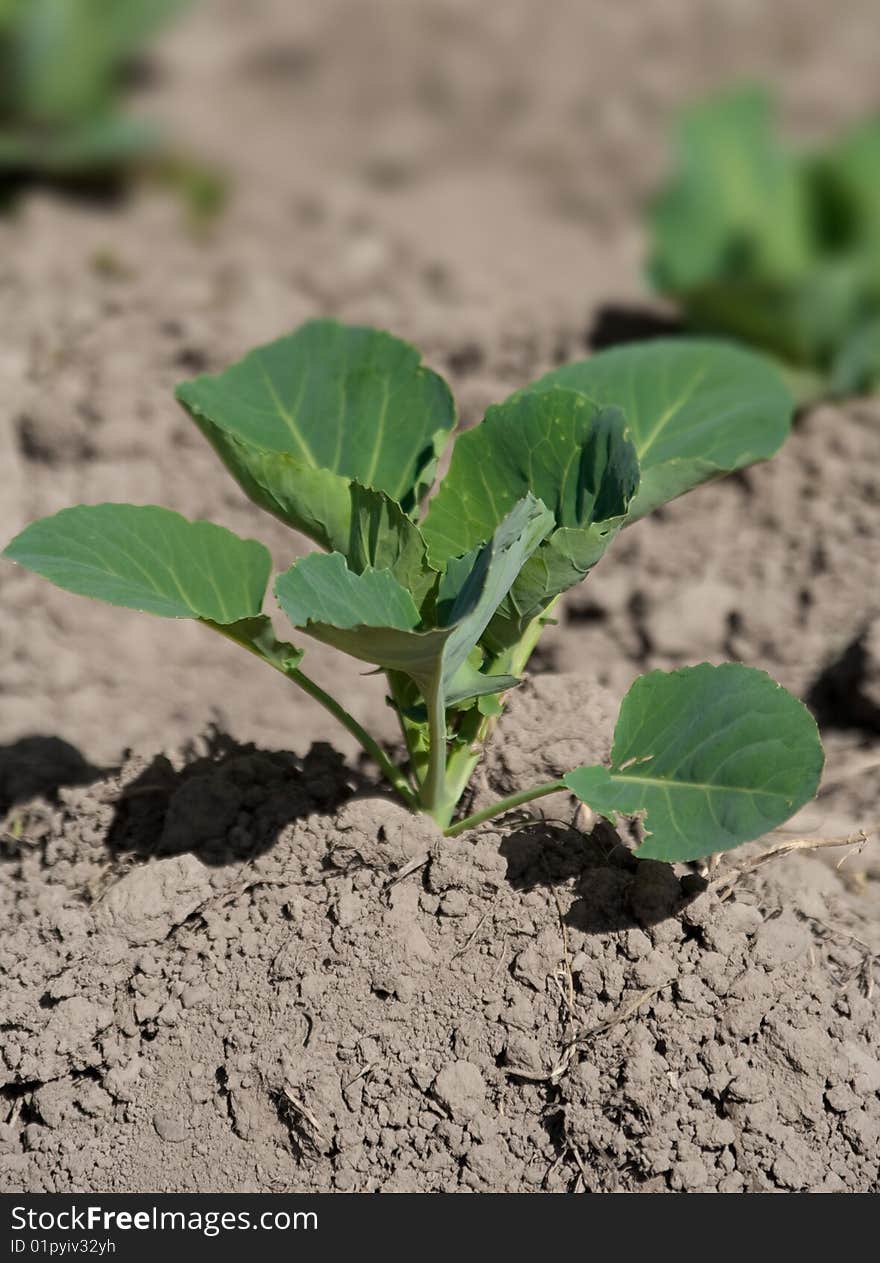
(215,980)
(244,972)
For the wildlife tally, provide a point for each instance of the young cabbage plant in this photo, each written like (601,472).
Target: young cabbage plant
(777,246)
(61,68)
(337,431)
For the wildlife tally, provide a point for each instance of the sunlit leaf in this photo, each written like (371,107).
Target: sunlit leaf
(710,756)
(299,419)
(570,453)
(147,558)
(694,408)
(372,617)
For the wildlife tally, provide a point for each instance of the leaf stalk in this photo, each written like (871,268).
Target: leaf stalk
(389,770)
(434,798)
(504,805)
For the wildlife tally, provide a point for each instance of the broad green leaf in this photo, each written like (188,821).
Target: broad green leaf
(711,756)
(295,421)
(314,501)
(564,449)
(694,408)
(560,447)
(365,526)
(737,204)
(373,618)
(149,559)
(369,616)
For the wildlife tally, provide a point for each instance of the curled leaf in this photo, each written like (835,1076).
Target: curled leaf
(694,409)
(372,617)
(297,420)
(575,456)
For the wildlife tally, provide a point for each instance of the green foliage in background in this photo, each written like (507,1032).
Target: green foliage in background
(338,432)
(61,70)
(774,245)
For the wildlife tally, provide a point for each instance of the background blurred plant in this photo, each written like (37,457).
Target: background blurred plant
(777,246)
(63,65)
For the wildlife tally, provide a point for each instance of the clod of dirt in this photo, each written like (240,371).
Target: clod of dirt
(461,1089)
(347,1001)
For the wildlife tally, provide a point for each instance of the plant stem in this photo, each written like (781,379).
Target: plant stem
(417,755)
(433,794)
(477,728)
(505,804)
(463,760)
(389,770)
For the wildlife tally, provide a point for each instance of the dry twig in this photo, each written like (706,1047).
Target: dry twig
(570,1048)
(473,934)
(723,886)
(300,1109)
(412,867)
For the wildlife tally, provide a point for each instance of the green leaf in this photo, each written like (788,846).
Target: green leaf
(559,447)
(297,420)
(372,617)
(468,685)
(694,408)
(564,449)
(856,369)
(490,706)
(777,247)
(468,601)
(316,502)
(320,590)
(149,559)
(382,537)
(470,682)
(712,756)
(66,56)
(61,67)
(737,205)
(852,165)
(803,321)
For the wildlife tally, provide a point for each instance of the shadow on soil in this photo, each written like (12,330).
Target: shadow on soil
(615,890)
(616,325)
(40,766)
(229,802)
(845,695)
(102,190)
